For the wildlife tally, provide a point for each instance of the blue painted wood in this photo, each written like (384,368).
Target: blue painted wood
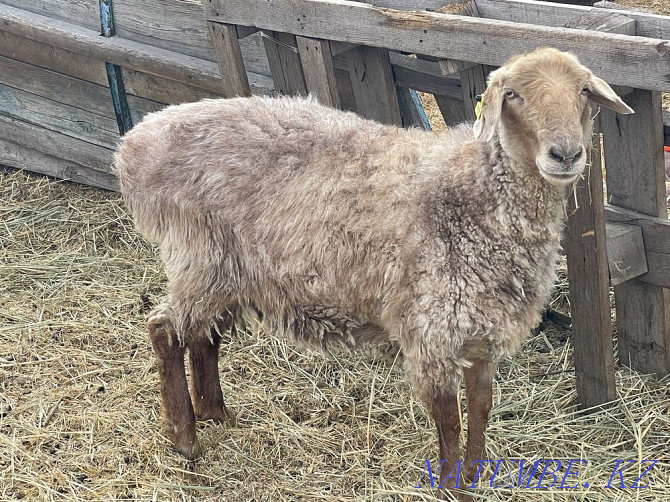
(411,109)
(419,109)
(114,74)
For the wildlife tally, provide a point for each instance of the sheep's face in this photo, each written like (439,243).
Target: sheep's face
(539,105)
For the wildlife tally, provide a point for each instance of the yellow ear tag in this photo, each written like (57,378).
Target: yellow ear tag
(479,105)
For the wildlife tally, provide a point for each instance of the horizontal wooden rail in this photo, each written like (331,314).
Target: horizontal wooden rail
(553,14)
(126,53)
(619,59)
(656,235)
(537,12)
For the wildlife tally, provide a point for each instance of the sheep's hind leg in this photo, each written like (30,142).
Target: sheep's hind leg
(178,415)
(206,390)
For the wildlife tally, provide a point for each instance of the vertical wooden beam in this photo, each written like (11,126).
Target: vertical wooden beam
(284,61)
(588,271)
(473,76)
(452,110)
(636,180)
(229,57)
(317,67)
(345,90)
(473,83)
(588,278)
(411,109)
(372,82)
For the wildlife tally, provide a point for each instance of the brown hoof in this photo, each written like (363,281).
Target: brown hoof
(188,448)
(216,415)
(184,440)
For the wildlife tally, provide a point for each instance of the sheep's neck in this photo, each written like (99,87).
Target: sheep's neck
(522,197)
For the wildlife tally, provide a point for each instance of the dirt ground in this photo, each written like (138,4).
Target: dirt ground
(80,411)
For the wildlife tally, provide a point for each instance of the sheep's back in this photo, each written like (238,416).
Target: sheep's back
(302,193)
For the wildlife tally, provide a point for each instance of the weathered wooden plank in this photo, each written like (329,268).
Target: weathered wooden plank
(551,14)
(415,77)
(420,74)
(411,109)
(52,58)
(452,106)
(634,155)
(588,278)
(346,92)
(473,77)
(432,5)
(84,13)
(636,180)
(178,26)
(70,91)
(589,272)
(318,70)
(138,83)
(59,117)
(452,109)
(169,24)
(162,90)
(656,231)
(482,41)
(337,48)
(473,83)
(22,157)
(234,80)
(625,252)
(56,144)
(126,53)
(245,31)
(603,21)
(285,66)
(659,270)
(372,83)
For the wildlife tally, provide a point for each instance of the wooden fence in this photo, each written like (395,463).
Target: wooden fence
(57,117)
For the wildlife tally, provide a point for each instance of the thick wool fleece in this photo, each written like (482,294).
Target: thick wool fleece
(329,226)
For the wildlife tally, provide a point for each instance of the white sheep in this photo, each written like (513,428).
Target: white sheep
(331,227)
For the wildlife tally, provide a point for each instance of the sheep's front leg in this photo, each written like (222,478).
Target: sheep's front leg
(206,386)
(478,386)
(444,411)
(178,416)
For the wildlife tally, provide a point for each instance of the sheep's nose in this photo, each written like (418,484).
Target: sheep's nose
(565,156)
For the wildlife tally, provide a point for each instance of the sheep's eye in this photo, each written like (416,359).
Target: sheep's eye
(585,90)
(510,94)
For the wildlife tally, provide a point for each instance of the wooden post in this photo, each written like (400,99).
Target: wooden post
(317,67)
(229,58)
(588,272)
(411,109)
(473,76)
(636,180)
(373,85)
(284,61)
(588,278)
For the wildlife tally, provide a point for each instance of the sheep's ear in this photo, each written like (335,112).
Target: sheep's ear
(600,92)
(487,123)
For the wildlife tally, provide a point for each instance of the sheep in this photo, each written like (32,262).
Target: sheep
(329,228)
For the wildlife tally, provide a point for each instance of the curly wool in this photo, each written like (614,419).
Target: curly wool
(333,227)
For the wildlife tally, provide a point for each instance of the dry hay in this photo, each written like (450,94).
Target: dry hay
(79,403)
(656,6)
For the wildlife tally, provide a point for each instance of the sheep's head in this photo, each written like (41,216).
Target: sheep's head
(539,105)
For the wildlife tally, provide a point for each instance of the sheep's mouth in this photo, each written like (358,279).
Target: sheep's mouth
(562,178)
(559,173)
